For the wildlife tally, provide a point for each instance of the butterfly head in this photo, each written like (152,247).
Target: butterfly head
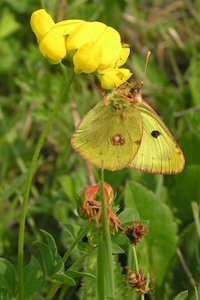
(126,95)
(134,92)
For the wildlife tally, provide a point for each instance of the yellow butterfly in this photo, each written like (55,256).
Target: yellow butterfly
(124,131)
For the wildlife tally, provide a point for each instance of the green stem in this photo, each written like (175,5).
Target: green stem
(79,260)
(159,185)
(100,278)
(79,238)
(196,293)
(106,246)
(136,260)
(56,286)
(28,186)
(195,210)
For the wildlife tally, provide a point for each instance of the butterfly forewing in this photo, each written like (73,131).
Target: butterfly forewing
(107,137)
(158,152)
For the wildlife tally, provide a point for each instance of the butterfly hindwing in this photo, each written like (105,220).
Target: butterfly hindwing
(158,152)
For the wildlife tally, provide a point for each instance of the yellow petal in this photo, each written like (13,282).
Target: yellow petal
(87,58)
(67,26)
(106,37)
(52,46)
(41,23)
(111,46)
(125,51)
(112,78)
(87,32)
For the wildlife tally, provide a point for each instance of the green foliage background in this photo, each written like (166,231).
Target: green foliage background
(29,87)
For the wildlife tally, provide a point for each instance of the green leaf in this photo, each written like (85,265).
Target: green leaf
(182,296)
(56,264)
(72,229)
(75,274)
(51,243)
(64,279)
(33,277)
(69,186)
(51,263)
(116,249)
(128,215)
(120,239)
(8,24)
(7,278)
(159,246)
(47,258)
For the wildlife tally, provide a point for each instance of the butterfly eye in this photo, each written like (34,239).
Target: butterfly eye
(134,91)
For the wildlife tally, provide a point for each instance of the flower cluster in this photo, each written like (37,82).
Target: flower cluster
(92,47)
(138,283)
(92,209)
(135,232)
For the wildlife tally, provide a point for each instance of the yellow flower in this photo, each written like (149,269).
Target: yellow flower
(112,78)
(89,46)
(50,36)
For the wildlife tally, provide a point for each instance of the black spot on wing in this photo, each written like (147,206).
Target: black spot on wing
(155,133)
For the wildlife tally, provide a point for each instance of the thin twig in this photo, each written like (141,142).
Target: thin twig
(185,111)
(61,10)
(185,267)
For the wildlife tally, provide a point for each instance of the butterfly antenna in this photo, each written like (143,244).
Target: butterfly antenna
(138,86)
(146,64)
